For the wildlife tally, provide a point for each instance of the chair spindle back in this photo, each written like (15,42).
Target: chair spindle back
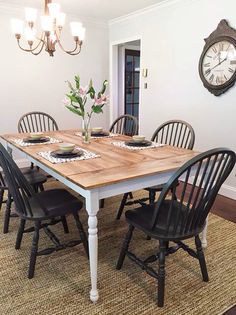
(177,133)
(37,122)
(125,125)
(206,173)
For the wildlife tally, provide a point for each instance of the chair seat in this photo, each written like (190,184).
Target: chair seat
(57,202)
(142,217)
(34,176)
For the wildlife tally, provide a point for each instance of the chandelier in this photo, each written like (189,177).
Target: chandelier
(52,23)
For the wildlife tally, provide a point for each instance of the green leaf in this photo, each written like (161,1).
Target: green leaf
(76,99)
(74,110)
(92,93)
(104,86)
(73,98)
(97,109)
(77,81)
(70,86)
(80,101)
(91,90)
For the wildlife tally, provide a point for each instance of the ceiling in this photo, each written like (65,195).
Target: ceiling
(101,10)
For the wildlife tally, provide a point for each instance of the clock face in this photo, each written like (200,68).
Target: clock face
(219,63)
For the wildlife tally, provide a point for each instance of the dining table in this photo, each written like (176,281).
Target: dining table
(110,169)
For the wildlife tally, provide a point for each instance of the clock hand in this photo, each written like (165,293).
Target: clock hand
(219,63)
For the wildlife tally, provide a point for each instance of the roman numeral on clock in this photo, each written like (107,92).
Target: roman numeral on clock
(214,49)
(221,46)
(217,80)
(211,78)
(207,72)
(207,64)
(231,70)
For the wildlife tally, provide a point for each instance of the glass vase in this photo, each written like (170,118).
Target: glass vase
(86,130)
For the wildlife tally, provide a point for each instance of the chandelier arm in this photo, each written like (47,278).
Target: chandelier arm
(38,52)
(74,54)
(41,41)
(70,52)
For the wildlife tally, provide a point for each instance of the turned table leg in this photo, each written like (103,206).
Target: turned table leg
(92,207)
(204,235)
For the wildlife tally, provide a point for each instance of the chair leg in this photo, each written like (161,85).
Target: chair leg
(152,196)
(34,250)
(65,225)
(7,214)
(102,203)
(161,273)
(1,197)
(20,234)
(41,188)
(82,234)
(201,259)
(122,205)
(131,195)
(125,247)
(35,188)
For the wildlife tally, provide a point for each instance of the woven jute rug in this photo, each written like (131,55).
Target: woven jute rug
(62,281)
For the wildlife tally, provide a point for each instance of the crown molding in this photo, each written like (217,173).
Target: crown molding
(151,8)
(11,9)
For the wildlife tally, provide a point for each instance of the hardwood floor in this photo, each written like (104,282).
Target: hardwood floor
(232,311)
(225,208)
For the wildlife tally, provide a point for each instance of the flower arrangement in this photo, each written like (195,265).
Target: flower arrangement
(77,98)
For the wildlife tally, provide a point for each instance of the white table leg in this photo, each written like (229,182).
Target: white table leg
(92,207)
(204,235)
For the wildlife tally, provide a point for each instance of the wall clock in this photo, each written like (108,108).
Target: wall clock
(217,64)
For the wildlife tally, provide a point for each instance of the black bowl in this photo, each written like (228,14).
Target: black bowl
(144,143)
(39,140)
(66,155)
(99,133)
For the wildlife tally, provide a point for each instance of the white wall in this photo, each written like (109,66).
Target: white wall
(29,83)
(172,41)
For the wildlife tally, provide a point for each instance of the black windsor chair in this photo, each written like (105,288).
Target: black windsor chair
(42,208)
(176,133)
(171,219)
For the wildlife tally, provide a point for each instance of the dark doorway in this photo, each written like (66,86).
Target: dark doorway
(132,73)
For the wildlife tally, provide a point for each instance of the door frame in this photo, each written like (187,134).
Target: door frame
(113,74)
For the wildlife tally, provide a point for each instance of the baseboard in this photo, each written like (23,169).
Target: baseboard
(226,190)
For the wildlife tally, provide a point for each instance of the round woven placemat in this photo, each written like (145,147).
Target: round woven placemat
(62,281)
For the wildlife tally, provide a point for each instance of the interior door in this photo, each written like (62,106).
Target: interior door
(132,74)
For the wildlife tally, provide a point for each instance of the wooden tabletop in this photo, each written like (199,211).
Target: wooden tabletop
(115,164)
